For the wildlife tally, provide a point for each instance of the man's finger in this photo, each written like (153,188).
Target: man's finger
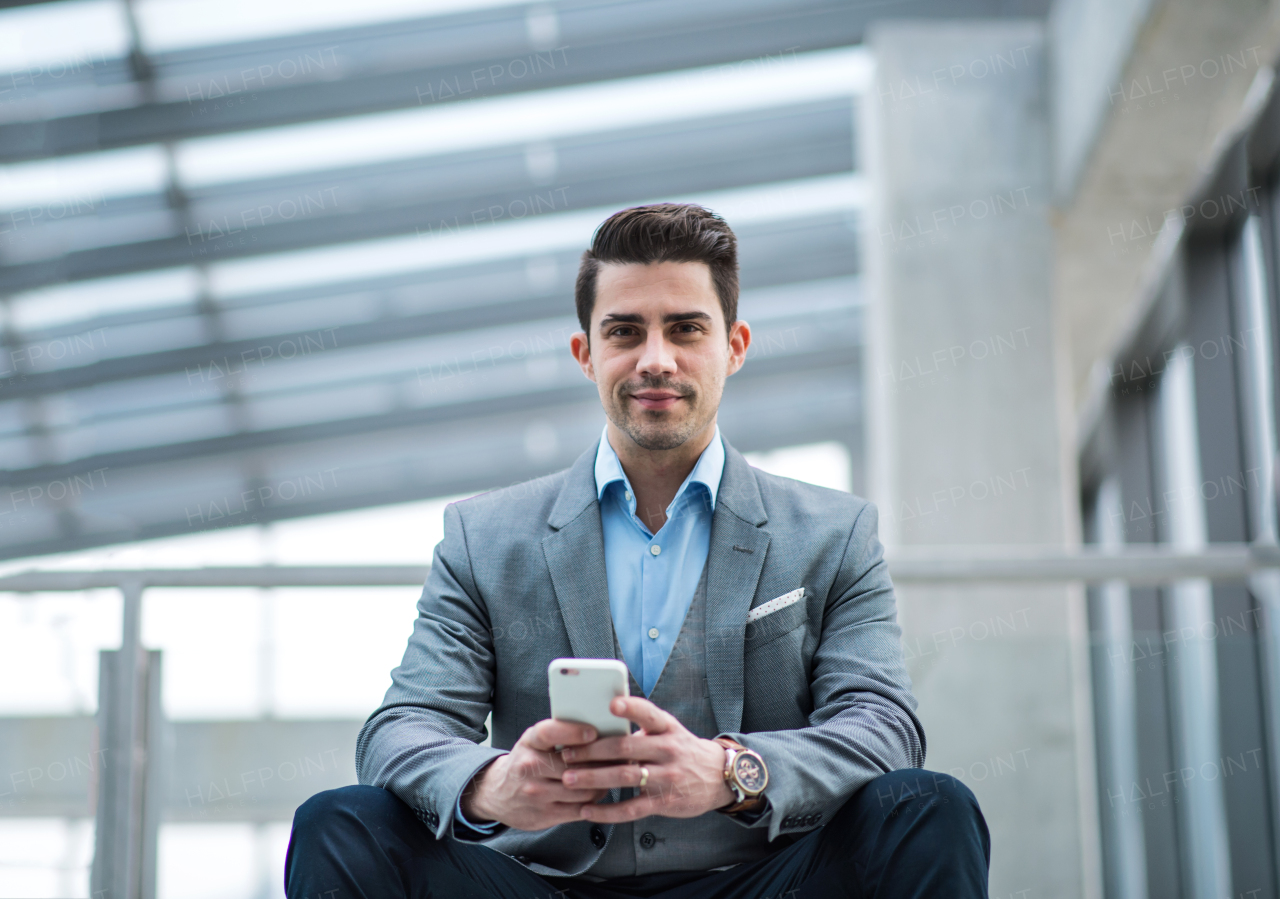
(635,747)
(549,733)
(643,712)
(537,764)
(558,813)
(604,778)
(621,812)
(556,792)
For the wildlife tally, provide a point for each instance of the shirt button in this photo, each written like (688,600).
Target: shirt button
(628,495)
(653,633)
(655,549)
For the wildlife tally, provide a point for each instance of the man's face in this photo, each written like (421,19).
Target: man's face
(659,350)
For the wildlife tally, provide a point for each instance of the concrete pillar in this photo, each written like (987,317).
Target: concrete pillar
(965,445)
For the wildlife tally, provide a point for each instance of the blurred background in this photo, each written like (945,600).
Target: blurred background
(278,281)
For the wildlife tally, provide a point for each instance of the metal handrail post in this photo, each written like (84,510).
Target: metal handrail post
(124,856)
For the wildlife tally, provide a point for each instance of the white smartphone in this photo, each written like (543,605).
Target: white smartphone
(581,690)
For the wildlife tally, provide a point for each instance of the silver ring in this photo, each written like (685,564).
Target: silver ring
(644,776)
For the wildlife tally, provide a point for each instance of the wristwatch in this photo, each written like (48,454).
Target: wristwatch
(746,776)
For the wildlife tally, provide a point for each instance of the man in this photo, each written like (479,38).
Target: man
(777,750)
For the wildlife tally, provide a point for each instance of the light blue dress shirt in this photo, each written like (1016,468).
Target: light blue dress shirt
(652,577)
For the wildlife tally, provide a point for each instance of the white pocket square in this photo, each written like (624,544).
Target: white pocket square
(774,605)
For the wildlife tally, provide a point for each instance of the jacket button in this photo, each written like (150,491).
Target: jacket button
(597,837)
(787,821)
(647,840)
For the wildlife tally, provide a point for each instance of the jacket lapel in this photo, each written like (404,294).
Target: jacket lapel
(734,563)
(575,559)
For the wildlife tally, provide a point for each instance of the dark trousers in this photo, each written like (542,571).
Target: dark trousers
(910,833)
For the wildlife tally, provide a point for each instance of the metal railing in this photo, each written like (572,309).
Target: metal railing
(1151,564)
(127,810)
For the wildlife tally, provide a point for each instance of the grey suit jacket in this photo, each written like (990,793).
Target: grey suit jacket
(819,688)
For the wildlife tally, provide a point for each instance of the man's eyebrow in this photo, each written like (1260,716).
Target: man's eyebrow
(685,317)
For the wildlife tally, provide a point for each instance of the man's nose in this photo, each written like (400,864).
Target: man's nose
(657,356)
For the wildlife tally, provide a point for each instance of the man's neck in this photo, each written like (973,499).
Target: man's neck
(656,475)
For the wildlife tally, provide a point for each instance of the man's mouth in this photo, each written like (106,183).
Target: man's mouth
(656,399)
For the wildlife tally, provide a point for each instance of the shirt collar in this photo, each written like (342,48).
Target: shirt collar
(707,470)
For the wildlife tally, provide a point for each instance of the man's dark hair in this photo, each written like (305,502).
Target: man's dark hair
(663,232)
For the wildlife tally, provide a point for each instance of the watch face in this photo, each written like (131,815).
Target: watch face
(750,774)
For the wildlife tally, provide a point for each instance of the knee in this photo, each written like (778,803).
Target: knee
(933,799)
(912,821)
(324,812)
(348,835)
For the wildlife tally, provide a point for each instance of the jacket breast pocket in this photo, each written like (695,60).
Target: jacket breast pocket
(776,663)
(771,627)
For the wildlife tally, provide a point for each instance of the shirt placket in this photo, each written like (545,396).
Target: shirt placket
(657,583)
(653,577)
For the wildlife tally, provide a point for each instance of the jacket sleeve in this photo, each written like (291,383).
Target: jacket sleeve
(422,743)
(863,722)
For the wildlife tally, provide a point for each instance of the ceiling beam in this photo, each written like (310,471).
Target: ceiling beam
(635,38)
(448,195)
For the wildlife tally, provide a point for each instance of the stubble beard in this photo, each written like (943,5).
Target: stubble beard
(657,429)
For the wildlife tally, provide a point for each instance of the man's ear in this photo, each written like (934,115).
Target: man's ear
(580,347)
(739,340)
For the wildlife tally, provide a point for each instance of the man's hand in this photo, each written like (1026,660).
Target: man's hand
(523,789)
(686,773)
